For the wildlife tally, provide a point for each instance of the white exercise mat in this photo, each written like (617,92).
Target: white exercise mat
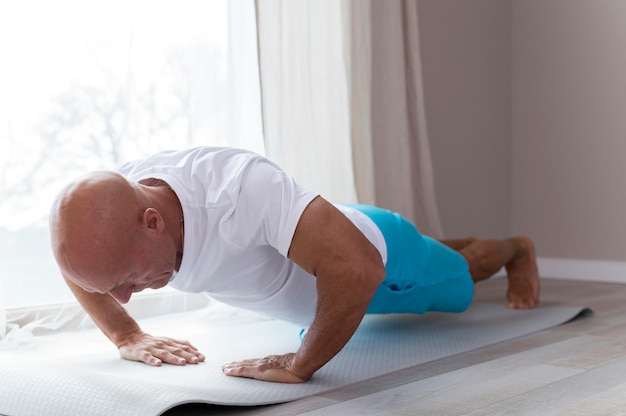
(100,383)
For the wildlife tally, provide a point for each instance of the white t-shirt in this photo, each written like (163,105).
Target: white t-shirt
(240,212)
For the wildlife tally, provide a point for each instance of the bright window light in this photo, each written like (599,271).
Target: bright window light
(88,85)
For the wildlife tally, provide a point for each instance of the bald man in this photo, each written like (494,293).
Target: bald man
(232,224)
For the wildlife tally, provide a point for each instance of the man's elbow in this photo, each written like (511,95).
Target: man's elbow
(372,274)
(379,273)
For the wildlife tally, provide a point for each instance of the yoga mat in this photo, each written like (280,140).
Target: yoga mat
(100,383)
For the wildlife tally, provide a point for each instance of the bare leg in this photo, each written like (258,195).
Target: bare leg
(459,244)
(517,255)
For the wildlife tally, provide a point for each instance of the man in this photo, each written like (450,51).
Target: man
(231,223)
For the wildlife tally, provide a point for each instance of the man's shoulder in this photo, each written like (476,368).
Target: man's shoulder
(211,157)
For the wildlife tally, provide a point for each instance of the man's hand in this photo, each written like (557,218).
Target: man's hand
(348,271)
(123,331)
(277,368)
(157,350)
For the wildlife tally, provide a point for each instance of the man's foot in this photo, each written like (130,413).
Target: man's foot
(523,275)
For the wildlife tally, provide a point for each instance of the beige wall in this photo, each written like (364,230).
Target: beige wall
(465,47)
(569,126)
(526,105)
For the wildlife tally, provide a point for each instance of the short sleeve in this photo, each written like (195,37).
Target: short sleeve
(268,207)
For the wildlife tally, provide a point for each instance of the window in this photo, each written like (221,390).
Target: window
(89,85)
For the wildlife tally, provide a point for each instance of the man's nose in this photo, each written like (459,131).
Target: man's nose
(122,294)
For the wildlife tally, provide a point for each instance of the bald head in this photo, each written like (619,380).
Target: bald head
(93,223)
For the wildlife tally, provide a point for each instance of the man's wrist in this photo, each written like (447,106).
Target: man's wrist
(122,338)
(302,367)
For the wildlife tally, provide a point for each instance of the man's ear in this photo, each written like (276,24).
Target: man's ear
(153,220)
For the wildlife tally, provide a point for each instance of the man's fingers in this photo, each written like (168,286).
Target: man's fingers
(257,370)
(236,370)
(155,351)
(132,354)
(272,368)
(171,358)
(174,354)
(185,350)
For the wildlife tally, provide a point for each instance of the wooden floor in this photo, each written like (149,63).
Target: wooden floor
(575,369)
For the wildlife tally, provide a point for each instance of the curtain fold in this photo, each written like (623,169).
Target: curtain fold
(304,93)
(358,33)
(342,98)
(402,163)
(424,195)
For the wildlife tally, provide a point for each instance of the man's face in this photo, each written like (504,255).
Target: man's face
(149,265)
(106,240)
(147,262)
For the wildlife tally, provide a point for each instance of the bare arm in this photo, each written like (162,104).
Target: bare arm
(348,269)
(125,333)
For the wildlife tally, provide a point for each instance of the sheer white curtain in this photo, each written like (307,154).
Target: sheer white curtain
(305,93)
(403,169)
(343,106)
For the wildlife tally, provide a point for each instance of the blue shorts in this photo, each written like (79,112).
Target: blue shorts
(422,274)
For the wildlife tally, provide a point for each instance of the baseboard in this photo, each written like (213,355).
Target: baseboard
(583,270)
